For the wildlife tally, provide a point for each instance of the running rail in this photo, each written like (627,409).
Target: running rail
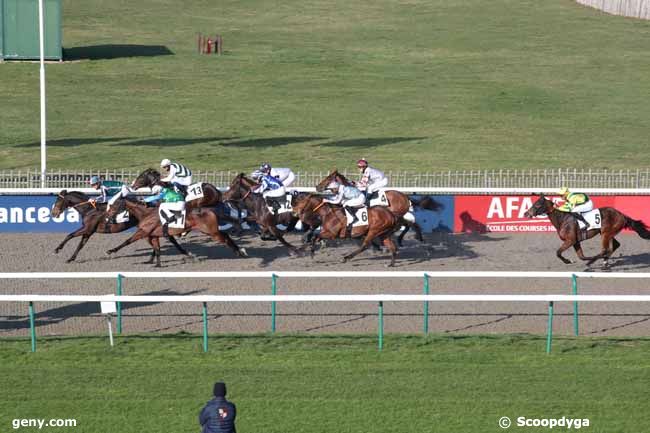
(273,298)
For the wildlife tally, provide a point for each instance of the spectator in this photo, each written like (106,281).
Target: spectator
(218,415)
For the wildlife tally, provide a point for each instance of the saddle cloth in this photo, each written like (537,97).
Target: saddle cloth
(380,200)
(362,217)
(285,206)
(176,209)
(593,218)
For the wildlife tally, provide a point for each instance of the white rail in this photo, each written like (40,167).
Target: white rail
(322,274)
(428,190)
(327,298)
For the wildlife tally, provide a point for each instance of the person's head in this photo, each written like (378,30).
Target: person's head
(265,168)
(334,186)
(95,182)
(219,389)
(165,163)
(564,192)
(362,164)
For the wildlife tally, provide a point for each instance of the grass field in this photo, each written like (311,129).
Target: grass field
(413,85)
(328,384)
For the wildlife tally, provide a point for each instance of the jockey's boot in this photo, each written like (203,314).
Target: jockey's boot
(352,211)
(579,216)
(273,203)
(165,230)
(182,189)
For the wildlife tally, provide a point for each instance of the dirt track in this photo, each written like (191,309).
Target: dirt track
(516,252)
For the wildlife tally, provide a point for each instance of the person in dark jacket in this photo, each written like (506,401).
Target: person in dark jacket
(218,415)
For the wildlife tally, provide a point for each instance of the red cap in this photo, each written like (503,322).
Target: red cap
(362,163)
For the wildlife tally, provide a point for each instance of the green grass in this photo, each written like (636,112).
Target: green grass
(412,84)
(328,384)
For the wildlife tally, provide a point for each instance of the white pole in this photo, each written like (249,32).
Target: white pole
(110,329)
(42,54)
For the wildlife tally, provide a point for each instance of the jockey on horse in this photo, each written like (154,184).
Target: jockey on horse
(271,189)
(349,197)
(284,175)
(178,175)
(576,203)
(371,181)
(110,190)
(167,195)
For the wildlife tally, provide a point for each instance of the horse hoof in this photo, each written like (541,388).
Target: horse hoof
(344,260)
(57,251)
(69,261)
(242,252)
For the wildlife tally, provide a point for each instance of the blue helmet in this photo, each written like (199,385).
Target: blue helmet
(265,168)
(94,180)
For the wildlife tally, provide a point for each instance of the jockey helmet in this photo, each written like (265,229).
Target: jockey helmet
(362,163)
(165,163)
(265,168)
(333,185)
(94,180)
(564,191)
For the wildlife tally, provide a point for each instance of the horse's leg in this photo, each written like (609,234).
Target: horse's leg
(136,237)
(74,234)
(180,249)
(578,247)
(153,252)
(155,242)
(565,246)
(604,249)
(364,244)
(278,234)
(82,242)
(388,242)
(225,239)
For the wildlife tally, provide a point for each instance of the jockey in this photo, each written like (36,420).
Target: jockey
(284,175)
(577,203)
(372,180)
(271,189)
(166,195)
(110,190)
(347,196)
(178,175)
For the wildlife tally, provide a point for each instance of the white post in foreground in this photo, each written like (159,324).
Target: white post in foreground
(42,55)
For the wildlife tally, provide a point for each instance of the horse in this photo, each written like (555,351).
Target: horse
(382,224)
(204,220)
(241,191)
(212,197)
(398,203)
(566,224)
(94,220)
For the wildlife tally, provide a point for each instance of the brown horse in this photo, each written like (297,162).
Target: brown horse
(382,224)
(241,191)
(204,220)
(398,203)
(94,220)
(212,197)
(612,222)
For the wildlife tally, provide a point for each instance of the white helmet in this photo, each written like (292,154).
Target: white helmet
(333,185)
(165,163)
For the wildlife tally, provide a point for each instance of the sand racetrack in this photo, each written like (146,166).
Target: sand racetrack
(442,252)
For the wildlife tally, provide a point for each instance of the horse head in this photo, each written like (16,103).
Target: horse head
(334,175)
(117,207)
(149,177)
(542,206)
(239,188)
(66,200)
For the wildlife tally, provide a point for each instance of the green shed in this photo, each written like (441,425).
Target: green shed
(19,29)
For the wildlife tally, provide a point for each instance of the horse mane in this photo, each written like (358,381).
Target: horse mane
(76,194)
(151,171)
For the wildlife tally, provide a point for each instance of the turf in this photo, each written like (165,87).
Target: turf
(412,84)
(328,384)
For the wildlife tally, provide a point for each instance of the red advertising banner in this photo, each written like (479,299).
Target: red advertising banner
(505,213)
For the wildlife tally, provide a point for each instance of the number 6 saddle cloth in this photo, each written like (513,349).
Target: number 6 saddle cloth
(362,217)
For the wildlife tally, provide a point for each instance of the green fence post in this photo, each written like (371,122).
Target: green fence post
(425,324)
(381,325)
(274,291)
(574,291)
(119,304)
(549,336)
(32,329)
(205,326)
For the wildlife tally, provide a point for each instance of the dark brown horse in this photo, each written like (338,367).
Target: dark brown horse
(241,192)
(204,220)
(398,203)
(382,224)
(612,222)
(212,197)
(94,220)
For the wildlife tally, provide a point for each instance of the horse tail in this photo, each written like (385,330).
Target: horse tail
(638,226)
(427,203)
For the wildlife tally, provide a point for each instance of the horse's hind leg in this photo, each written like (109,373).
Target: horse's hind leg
(136,237)
(578,247)
(155,242)
(225,239)
(82,242)
(365,244)
(388,242)
(180,249)
(604,251)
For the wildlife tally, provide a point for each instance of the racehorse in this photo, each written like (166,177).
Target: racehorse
(212,197)
(241,191)
(398,203)
(94,220)
(612,222)
(382,224)
(204,220)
